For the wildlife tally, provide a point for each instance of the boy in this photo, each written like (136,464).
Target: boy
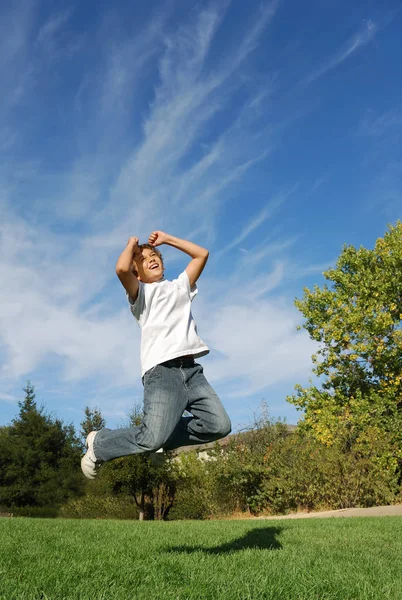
(173,381)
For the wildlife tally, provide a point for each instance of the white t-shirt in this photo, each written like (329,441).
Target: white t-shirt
(168,330)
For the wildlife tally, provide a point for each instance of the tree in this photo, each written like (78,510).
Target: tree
(28,404)
(241,467)
(39,458)
(152,488)
(93,421)
(357,322)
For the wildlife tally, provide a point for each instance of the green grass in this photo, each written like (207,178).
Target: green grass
(308,559)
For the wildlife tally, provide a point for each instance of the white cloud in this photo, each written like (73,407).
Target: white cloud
(53,26)
(257,339)
(58,303)
(256,221)
(41,311)
(186,100)
(384,191)
(15,65)
(378,125)
(361,38)
(8,398)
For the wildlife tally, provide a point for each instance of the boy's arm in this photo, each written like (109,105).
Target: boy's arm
(124,267)
(198,254)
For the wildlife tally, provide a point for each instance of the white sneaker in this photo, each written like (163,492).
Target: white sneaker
(157,458)
(89,462)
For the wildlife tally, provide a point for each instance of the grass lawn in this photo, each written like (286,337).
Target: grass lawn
(353,558)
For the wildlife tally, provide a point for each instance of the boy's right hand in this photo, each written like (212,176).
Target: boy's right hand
(124,267)
(133,243)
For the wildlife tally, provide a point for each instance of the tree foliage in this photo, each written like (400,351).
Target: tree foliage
(151,487)
(93,421)
(39,458)
(357,322)
(241,467)
(301,473)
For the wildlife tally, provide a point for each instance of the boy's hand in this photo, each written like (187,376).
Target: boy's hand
(157,238)
(133,244)
(198,254)
(133,241)
(124,267)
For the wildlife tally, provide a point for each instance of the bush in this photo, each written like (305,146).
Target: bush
(92,507)
(240,468)
(40,512)
(195,489)
(302,473)
(232,477)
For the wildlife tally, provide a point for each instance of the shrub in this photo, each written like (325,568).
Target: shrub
(240,468)
(40,512)
(195,489)
(93,507)
(302,473)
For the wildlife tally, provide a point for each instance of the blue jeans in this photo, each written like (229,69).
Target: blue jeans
(170,389)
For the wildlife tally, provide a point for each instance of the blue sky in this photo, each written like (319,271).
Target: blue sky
(269,132)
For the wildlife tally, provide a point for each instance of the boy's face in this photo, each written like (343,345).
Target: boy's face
(149,266)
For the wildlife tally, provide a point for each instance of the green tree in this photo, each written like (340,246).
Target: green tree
(39,458)
(152,488)
(241,467)
(357,322)
(301,473)
(6,458)
(196,487)
(93,421)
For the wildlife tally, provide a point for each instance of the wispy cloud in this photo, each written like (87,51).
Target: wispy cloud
(60,314)
(15,64)
(187,99)
(52,26)
(270,281)
(267,248)
(384,192)
(378,125)
(8,398)
(255,222)
(154,132)
(260,334)
(360,39)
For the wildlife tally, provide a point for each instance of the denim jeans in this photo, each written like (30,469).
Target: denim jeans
(170,389)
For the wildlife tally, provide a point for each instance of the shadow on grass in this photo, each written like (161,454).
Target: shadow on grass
(264,538)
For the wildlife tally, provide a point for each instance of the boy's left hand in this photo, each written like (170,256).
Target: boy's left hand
(157,238)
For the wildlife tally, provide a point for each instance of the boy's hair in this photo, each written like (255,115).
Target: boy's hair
(150,247)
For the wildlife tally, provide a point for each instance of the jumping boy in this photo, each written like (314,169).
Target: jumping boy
(173,381)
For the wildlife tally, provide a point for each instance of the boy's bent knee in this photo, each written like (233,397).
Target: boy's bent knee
(152,446)
(226,427)
(150,443)
(222,427)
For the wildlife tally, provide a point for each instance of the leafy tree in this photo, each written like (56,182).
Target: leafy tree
(152,488)
(240,469)
(357,322)
(93,421)
(196,487)
(39,458)
(301,473)
(6,457)
(28,404)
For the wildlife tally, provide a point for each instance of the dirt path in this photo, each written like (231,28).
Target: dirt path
(375,511)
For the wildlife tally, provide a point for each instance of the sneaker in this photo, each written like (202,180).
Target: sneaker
(157,458)
(89,462)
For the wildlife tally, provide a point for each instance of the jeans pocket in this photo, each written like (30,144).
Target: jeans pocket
(148,374)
